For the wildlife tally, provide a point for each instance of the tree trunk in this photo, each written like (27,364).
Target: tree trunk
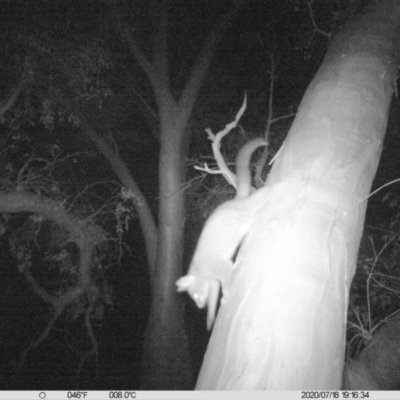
(166,343)
(166,358)
(284,325)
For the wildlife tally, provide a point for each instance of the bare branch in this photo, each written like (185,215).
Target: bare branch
(143,61)
(5,106)
(33,346)
(160,47)
(216,145)
(316,29)
(271,120)
(203,61)
(121,170)
(94,350)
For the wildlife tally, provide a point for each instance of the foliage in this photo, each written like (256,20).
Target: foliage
(43,249)
(60,65)
(375,292)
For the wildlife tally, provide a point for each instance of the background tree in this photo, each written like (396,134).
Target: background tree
(73,86)
(166,364)
(59,248)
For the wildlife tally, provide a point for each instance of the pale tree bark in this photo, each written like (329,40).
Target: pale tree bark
(284,324)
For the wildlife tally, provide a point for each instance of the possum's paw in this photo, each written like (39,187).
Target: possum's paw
(185,282)
(203,292)
(197,288)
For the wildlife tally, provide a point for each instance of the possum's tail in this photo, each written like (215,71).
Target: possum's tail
(243,172)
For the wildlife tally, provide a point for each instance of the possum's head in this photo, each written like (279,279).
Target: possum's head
(197,287)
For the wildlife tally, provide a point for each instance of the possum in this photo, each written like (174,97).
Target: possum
(212,263)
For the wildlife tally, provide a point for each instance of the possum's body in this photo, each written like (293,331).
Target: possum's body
(225,229)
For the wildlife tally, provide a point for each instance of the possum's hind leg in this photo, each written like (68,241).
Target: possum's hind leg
(212,301)
(226,280)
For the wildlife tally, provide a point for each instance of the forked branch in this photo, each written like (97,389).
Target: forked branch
(216,146)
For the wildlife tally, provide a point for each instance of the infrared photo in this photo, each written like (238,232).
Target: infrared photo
(199,195)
